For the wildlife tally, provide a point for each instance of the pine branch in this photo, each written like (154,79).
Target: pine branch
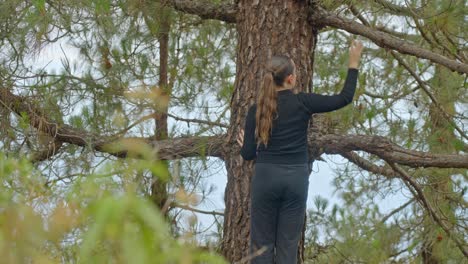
(368,166)
(227,13)
(424,87)
(386,40)
(419,195)
(399,10)
(396,210)
(421,83)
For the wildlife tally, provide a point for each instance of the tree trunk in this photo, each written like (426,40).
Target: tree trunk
(265,28)
(159,186)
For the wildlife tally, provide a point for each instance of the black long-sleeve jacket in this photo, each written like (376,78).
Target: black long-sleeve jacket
(288,139)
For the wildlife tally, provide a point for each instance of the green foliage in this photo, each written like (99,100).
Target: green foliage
(92,223)
(353,235)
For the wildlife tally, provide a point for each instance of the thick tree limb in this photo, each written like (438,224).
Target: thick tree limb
(387,150)
(206,10)
(215,145)
(167,149)
(176,148)
(385,40)
(419,195)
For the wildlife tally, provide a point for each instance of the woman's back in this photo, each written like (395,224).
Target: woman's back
(288,140)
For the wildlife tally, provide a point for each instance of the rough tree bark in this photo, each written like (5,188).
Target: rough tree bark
(265,28)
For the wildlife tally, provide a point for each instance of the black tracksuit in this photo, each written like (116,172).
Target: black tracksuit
(280,182)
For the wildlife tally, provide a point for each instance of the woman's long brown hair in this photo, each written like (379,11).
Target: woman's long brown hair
(279,68)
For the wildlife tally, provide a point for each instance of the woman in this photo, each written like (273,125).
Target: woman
(276,135)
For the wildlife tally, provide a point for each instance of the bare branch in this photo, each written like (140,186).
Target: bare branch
(385,40)
(184,147)
(186,207)
(211,123)
(396,210)
(368,166)
(139,121)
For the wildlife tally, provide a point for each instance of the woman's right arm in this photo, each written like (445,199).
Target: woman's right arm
(316,103)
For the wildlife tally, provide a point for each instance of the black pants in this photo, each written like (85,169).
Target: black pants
(278,204)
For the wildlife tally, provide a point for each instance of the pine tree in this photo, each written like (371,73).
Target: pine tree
(142,63)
